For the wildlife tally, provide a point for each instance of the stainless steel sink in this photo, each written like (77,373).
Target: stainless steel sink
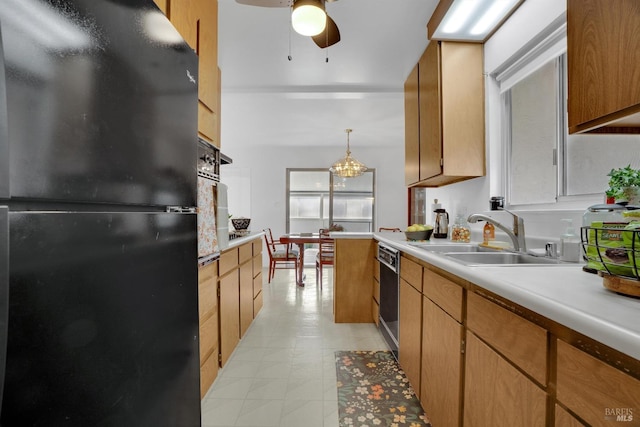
(457,247)
(501,258)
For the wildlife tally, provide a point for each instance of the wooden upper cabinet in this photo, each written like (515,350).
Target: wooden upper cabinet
(451,144)
(411,128)
(430,112)
(162,4)
(197,22)
(603,53)
(208,92)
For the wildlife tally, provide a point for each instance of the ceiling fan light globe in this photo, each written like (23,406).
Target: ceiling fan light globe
(309,18)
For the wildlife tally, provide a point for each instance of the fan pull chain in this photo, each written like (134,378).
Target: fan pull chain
(326,37)
(289,57)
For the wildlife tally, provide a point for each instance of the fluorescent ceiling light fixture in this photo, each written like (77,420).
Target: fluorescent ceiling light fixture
(472,20)
(460,13)
(492,16)
(309,17)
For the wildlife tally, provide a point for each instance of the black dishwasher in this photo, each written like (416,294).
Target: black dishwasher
(389,289)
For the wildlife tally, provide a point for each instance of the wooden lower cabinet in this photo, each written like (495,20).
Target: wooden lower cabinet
(352,272)
(476,359)
(246,296)
(517,339)
(596,392)
(208,320)
(410,333)
(565,419)
(229,314)
(257,276)
(497,394)
(441,375)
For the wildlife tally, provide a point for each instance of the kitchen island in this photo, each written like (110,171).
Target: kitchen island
(511,345)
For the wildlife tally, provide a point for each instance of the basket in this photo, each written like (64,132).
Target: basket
(613,251)
(240,223)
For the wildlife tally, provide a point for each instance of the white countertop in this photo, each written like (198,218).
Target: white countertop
(238,241)
(562,293)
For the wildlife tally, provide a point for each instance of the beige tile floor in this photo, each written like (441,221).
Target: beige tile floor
(283,371)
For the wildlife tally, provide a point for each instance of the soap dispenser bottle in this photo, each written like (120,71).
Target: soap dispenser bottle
(570,244)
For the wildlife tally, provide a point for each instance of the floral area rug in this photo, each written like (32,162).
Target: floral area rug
(374,391)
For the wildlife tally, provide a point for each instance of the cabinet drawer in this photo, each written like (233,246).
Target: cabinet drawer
(257,247)
(209,338)
(245,253)
(590,388)
(257,304)
(519,340)
(444,292)
(411,272)
(207,291)
(228,261)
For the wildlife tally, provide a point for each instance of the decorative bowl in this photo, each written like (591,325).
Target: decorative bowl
(418,235)
(240,223)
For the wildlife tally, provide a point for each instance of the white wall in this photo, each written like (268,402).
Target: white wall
(268,165)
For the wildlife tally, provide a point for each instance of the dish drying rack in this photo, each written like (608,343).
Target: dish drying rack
(614,253)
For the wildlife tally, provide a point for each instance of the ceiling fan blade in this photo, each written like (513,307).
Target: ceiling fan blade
(330,35)
(266,3)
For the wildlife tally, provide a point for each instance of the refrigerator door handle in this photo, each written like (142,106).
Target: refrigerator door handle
(4,132)
(4,293)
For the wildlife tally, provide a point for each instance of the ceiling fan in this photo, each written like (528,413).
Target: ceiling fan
(325,35)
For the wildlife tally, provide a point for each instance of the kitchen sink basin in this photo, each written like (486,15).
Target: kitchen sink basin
(501,258)
(459,247)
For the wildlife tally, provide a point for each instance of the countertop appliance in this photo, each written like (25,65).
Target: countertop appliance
(389,295)
(441,225)
(98,271)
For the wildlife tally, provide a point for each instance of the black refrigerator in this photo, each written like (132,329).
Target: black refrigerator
(98,250)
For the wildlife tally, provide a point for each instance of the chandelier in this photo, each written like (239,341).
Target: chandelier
(348,167)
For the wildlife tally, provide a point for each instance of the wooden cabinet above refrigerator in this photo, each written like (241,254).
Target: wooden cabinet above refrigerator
(197,23)
(444,115)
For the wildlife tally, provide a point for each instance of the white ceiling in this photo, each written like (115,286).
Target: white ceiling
(269,100)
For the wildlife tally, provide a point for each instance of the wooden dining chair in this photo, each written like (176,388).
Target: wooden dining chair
(325,253)
(281,255)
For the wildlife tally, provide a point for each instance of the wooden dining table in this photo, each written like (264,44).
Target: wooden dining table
(300,239)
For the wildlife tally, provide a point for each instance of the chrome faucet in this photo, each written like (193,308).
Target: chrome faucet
(517,235)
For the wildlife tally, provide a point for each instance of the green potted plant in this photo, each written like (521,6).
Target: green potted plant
(624,184)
